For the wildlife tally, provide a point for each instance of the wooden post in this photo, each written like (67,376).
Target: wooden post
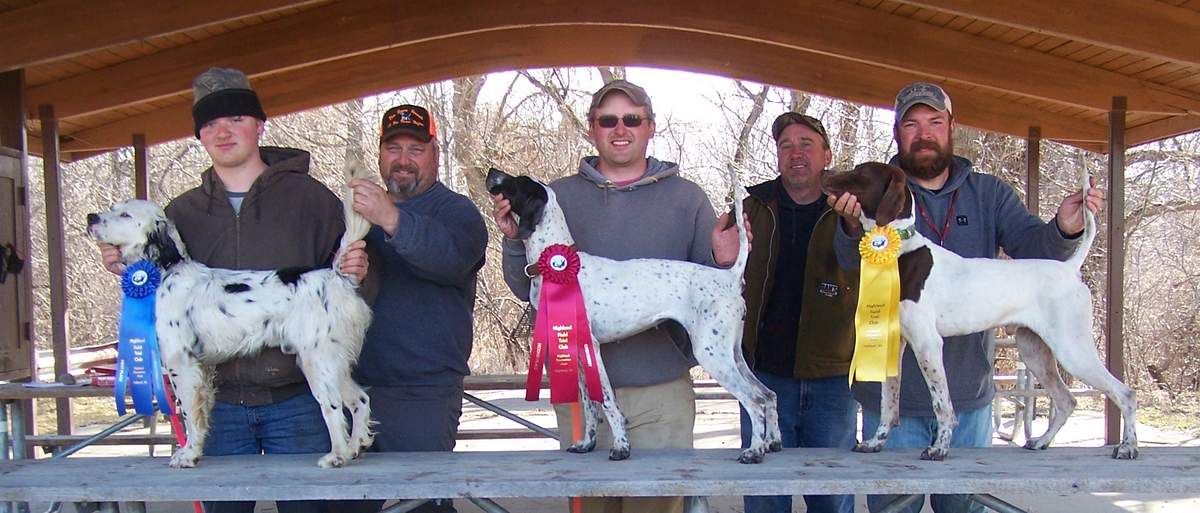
(141,177)
(56,258)
(1033,165)
(13,140)
(1114,306)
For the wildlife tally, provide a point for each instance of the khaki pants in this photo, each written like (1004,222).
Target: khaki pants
(657,417)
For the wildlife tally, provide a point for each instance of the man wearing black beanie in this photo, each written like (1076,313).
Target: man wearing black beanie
(256,208)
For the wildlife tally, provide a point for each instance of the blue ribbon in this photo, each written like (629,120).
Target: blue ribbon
(138,363)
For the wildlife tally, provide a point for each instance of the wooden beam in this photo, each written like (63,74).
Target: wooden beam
(57,29)
(56,258)
(141,174)
(1033,170)
(12,110)
(13,142)
(1150,29)
(332,31)
(1114,307)
(835,29)
(1162,129)
(549,46)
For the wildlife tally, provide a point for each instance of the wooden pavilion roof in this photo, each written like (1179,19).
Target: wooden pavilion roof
(112,69)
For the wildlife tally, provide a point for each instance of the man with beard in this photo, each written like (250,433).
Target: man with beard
(799,328)
(623,205)
(974,215)
(426,247)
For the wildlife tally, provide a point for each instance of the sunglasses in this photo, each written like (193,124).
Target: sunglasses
(610,120)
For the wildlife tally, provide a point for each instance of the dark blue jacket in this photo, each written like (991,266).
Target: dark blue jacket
(421,332)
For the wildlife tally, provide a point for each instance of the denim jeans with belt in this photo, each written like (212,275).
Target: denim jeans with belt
(812,413)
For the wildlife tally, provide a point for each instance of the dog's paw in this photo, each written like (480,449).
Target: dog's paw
(1036,444)
(1125,451)
(934,453)
(750,456)
(184,458)
(582,447)
(331,460)
(618,453)
(775,446)
(867,447)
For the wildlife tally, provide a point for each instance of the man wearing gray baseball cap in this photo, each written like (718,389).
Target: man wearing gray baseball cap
(974,215)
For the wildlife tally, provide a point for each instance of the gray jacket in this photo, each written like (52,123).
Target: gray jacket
(660,216)
(987,217)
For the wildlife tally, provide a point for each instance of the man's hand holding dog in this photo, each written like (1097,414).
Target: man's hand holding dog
(354,261)
(110,258)
(1070,217)
(725,239)
(502,214)
(375,204)
(848,208)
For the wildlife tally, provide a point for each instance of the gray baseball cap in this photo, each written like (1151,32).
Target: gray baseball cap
(635,93)
(923,93)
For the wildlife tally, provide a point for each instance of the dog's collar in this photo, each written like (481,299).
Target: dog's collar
(907,232)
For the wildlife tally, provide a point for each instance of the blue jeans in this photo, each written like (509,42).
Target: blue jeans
(974,430)
(290,426)
(812,413)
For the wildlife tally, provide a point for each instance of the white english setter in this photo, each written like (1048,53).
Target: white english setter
(206,316)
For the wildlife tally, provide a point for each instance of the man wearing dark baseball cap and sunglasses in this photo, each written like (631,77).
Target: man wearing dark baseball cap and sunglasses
(798,335)
(622,205)
(427,243)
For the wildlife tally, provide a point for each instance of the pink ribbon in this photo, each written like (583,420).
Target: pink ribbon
(561,332)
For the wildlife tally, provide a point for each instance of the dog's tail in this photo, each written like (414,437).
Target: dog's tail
(739,196)
(356,225)
(1089,228)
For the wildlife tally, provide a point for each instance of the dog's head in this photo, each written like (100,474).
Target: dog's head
(141,230)
(881,189)
(526,196)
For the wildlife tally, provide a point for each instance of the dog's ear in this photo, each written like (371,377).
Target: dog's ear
(530,207)
(161,247)
(895,197)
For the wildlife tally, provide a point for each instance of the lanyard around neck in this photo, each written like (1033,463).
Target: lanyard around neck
(945,231)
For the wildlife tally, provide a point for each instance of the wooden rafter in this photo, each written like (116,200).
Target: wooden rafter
(832,28)
(80,26)
(483,52)
(1150,29)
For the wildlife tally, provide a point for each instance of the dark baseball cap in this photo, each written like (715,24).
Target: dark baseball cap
(635,93)
(795,118)
(413,120)
(922,93)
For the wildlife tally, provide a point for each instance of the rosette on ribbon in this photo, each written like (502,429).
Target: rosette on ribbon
(877,318)
(138,365)
(561,332)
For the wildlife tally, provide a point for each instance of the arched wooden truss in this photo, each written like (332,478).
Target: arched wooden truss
(114,69)
(1099,75)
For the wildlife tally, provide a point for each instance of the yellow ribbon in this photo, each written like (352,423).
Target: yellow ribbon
(877,319)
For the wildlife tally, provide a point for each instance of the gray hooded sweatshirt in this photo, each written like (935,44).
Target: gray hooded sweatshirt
(661,215)
(987,217)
